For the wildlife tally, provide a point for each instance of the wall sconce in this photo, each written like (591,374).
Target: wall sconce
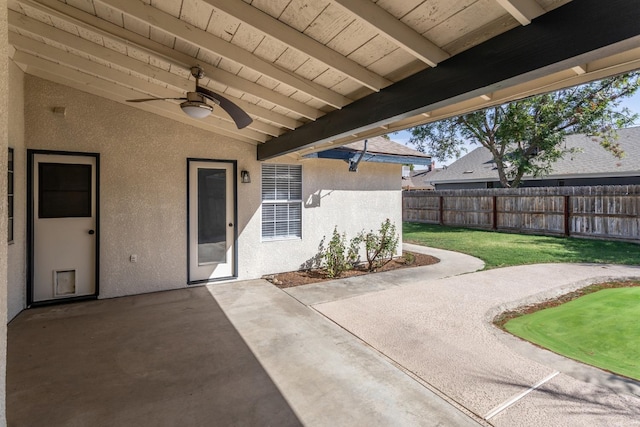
(245,178)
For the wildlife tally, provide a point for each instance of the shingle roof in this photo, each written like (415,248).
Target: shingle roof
(379,150)
(382,145)
(419,180)
(592,161)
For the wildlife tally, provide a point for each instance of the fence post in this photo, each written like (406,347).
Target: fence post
(441,210)
(567,217)
(494,225)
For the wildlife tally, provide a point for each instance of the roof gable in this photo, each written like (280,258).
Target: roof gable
(591,161)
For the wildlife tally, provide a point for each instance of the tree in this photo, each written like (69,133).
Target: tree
(525,137)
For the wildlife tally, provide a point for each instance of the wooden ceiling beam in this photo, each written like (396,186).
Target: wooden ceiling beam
(30,25)
(558,40)
(48,32)
(580,69)
(523,10)
(90,84)
(115,77)
(616,64)
(599,69)
(217,46)
(296,40)
(111,31)
(401,34)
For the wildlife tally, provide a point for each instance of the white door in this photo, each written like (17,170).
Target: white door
(64,226)
(211,219)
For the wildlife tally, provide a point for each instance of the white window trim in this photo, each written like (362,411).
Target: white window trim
(280,201)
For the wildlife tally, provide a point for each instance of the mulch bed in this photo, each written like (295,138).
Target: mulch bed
(305,277)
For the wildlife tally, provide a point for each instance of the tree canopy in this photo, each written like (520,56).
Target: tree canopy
(525,137)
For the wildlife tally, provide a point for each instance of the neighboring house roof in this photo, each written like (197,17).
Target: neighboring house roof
(379,150)
(420,180)
(427,175)
(592,162)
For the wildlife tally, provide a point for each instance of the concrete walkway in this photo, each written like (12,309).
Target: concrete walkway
(451,264)
(440,330)
(409,348)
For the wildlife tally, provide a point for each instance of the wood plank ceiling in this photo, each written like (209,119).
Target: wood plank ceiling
(287,63)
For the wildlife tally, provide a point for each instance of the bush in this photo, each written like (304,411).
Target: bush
(337,257)
(409,258)
(382,246)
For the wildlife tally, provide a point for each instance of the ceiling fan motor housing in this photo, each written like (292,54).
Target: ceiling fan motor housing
(195,105)
(197,72)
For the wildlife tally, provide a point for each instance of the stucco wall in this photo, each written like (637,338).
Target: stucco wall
(4,133)
(16,251)
(332,197)
(143,189)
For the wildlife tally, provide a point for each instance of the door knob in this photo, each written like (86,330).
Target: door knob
(230,224)
(92,232)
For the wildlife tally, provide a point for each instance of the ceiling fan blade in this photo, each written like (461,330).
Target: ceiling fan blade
(155,99)
(238,115)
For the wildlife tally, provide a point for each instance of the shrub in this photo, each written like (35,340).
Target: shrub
(337,256)
(382,246)
(409,258)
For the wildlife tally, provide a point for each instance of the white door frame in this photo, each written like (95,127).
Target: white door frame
(231,271)
(31,155)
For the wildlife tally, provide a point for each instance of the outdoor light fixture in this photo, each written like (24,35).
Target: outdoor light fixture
(245,178)
(196,105)
(196,110)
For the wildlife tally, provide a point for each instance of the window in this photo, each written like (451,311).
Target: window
(64,190)
(10,196)
(281,202)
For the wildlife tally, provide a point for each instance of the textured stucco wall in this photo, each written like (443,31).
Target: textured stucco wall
(16,252)
(143,189)
(332,196)
(4,133)
(143,179)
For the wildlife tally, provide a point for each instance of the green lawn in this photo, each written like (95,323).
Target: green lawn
(503,249)
(600,329)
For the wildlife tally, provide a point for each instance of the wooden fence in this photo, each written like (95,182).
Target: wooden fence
(607,212)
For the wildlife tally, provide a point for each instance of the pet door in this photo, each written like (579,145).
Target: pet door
(64,283)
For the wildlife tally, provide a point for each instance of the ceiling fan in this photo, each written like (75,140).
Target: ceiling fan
(195,103)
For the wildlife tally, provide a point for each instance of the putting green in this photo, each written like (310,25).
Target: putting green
(601,329)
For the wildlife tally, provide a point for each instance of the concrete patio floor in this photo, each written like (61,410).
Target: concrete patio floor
(163,359)
(240,354)
(410,348)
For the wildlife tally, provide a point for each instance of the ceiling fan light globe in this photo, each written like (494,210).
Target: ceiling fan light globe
(196,110)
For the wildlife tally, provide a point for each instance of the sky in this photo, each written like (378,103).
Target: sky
(632,103)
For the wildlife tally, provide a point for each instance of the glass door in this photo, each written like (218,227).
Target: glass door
(211,221)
